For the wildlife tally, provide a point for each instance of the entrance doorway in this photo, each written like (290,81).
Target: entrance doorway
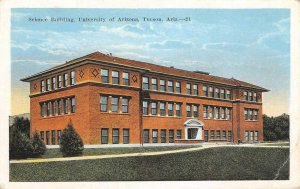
(192,133)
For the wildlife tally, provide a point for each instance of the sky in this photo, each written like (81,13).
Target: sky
(252,45)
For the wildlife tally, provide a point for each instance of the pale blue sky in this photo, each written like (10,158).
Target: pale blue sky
(252,45)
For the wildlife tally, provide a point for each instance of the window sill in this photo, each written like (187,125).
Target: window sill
(162,116)
(251,120)
(114,113)
(49,117)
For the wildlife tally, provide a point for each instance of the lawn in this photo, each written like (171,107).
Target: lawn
(53,153)
(223,163)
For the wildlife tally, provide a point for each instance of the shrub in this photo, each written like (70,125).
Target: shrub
(38,146)
(19,145)
(71,144)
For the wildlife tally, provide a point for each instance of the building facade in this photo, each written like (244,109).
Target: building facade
(112,100)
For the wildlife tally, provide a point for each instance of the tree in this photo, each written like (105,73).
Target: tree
(276,128)
(22,124)
(38,146)
(19,145)
(71,143)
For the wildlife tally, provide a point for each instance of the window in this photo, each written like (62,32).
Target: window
(254,97)
(171,136)
(53,108)
(163,134)
(42,105)
(205,111)
(218,137)
(125,136)
(66,80)
(228,116)
(196,114)
(104,76)
(246,136)
(66,105)
(73,105)
(47,137)
(154,84)
(178,110)
(223,113)
(124,105)
(145,83)
(205,92)
(195,87)
(223,135)
(72,77)
(59,81)
(246,114)
(205,135)
(42,135)
(114,104)
(170,109)
(250,114)
(212,135)
(188,89)
(162,109)
(53,83)
(179,135)
(115,77)
(188,111)
(153,108)
(170,86)
(53,137)
(48,108)
(229,136)
(228,94)
(59,107)
(211,92)
(217,90)
(58,136)
(115,136)
(145,107)
(178,87)
(255,115)
(162,84)
(245,95)
(217,109)
(104,136)
(146,136)
(256,136)
(42,86)
(125,77)
(211,112)
(48,86)
(251,136)
(103,103)
(222,93)
(250,96)
(154,135)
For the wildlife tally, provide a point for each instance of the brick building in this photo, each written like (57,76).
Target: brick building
(112,100)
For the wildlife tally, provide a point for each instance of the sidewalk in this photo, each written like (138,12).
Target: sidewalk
(206,146)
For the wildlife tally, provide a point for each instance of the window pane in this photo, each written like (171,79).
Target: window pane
(125,136)
(146,136)
(103,103)
(115,136)
(104,136)
(125,105)
(114,104)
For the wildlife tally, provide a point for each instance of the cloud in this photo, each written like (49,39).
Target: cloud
(39,62)
(171,44)
(224,46)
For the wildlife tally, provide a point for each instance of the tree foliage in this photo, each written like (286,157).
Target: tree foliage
(38,146)
(22,124)
(276,128)
(71,143)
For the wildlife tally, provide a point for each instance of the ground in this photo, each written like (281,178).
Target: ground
(221,163)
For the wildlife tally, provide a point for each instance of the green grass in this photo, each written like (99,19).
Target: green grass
(54,153)
(224,163)
(274,144)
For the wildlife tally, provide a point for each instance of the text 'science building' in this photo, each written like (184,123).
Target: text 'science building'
(112,100)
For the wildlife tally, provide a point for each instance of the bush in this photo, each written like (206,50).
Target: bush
(71,144)
(19,145)
(38,146)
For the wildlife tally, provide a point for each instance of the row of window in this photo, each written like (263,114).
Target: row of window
(117,104)
(115,136)
(115,75)
(153,107)
(251,136)
(217,135)
(163,135)
(54,139)
(250,96)
(251,114)
(191,89)
(216,112)
(58,107)
(58,82)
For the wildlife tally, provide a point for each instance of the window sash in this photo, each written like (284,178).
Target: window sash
(188,111)
(48,86)
(179,134)
(47,137)
(104,76)
(205,92)
(195,87)
(125,105)
(145,107)
(59,107)
(162,85)
(115,136)
(205,111)
(48,109)
(72,77)
(66,106)
(171,136)
(42,86)
(154,84)
(228,94)
(104,136)
(153,108)
(170,86)
(211,92)
(163,136)
(59,81)
(188,89)
(114,104)
(53,108)
(53,137)
(53,83)
(212,135)
(103,103)
(178,110)
(146,136)
(115,77)
(195,111)
(162,108)
(229,136)
(178,87)
(66,80)
(224,135)
(170,109)
(218,133)
(58,136)
(154,135)
(125,76)
(73,105)
(217,92)
(125,136)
